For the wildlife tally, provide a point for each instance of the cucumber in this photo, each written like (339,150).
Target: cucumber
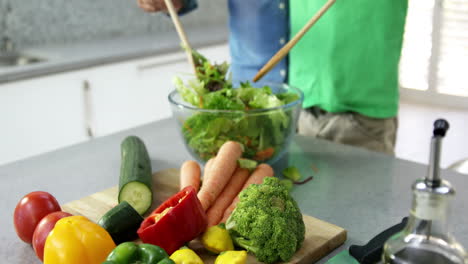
(121,222)
(247,163)
(135,182)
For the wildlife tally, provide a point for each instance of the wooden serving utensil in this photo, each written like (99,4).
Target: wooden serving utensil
(286,48)
(181,32)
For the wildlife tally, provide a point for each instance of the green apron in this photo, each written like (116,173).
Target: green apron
(348,61)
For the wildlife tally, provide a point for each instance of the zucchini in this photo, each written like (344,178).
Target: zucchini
(135,182)
(121,222)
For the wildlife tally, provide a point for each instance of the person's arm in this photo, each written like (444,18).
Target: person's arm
(182,6)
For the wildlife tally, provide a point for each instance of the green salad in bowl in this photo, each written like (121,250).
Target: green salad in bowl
(210,111)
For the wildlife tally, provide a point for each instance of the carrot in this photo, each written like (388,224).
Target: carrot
(190,174)
(264,154)
(219,173)
(208,165)
(232,189)
(262,171)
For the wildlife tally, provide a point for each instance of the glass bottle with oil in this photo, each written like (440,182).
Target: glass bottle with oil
(426,238)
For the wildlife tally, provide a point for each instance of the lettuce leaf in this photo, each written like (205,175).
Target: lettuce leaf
(262,134)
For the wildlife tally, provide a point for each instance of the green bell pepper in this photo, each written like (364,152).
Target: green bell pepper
(166,261)
(131,253)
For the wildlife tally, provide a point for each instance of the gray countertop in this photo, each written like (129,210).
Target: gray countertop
(361,191)
(87,54)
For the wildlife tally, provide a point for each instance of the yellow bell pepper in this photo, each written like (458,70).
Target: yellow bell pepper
(77,240)
(216,239)
(232,257)
(186,256)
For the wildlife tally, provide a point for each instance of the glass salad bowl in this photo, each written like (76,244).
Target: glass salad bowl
(265,133)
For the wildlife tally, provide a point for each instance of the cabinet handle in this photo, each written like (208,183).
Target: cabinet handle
(88,109)
(158,64)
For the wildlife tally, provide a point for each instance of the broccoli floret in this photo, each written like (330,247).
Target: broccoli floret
(267,222)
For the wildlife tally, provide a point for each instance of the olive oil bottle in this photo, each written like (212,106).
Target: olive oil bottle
(426,238)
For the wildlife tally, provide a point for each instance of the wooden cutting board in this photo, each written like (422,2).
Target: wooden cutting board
(320,239)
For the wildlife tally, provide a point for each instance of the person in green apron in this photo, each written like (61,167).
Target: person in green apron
(347,67)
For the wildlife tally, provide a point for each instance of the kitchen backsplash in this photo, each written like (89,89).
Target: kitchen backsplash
(31,23)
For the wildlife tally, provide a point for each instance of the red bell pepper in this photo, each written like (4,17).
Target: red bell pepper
(177,221)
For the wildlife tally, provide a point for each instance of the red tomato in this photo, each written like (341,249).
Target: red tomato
(30,210)
(43,229)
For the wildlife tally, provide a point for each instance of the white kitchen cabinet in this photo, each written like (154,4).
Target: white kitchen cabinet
(127,94)
(40,115)
(43,114)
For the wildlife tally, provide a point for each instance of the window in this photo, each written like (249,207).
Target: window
(434,61)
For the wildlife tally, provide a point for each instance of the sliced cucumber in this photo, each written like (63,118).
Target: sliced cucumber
(138,195)
(135,183)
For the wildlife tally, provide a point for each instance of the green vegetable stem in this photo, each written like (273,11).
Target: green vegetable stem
(292,173)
